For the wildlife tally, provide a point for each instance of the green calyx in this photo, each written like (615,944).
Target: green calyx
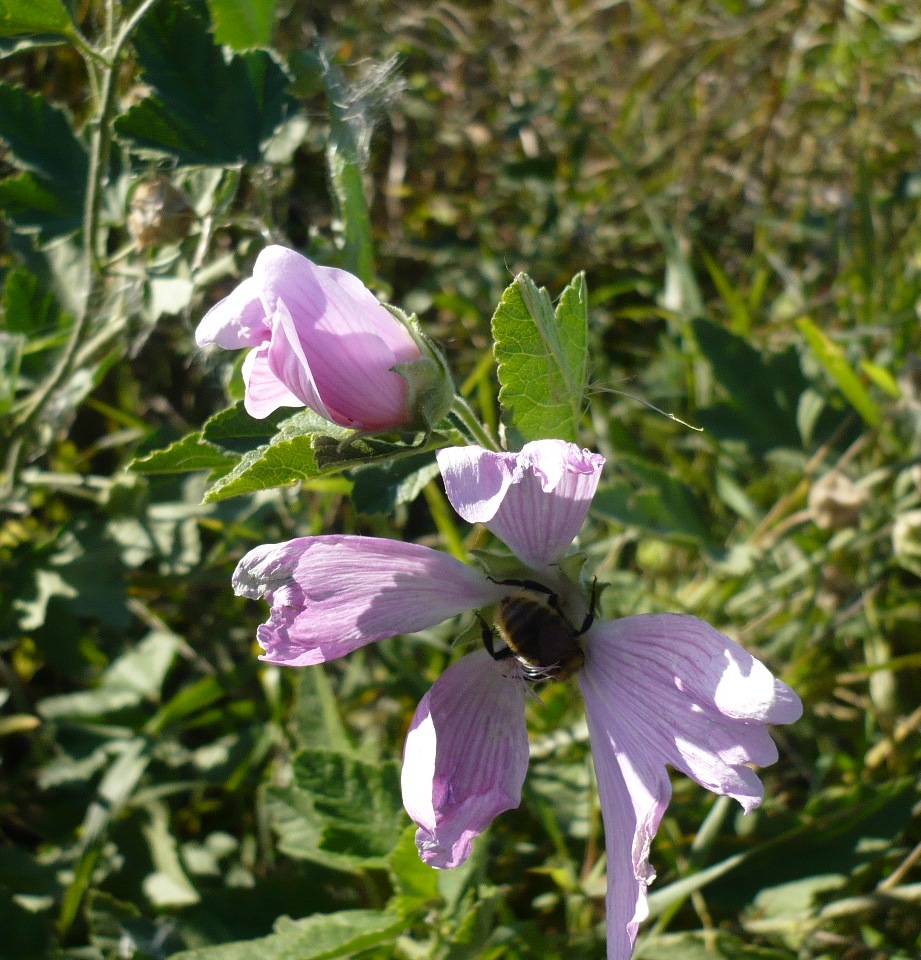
(430,389)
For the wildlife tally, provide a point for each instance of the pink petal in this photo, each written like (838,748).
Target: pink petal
(333,594)
(239,320)
(465,758)
(693,697)
(265,393)
(347,340)
(338,301)
(669,689)
(288,364)
(634,790)
(535,500)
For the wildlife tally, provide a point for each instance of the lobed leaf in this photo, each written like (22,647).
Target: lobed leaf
(541,358)
(243,24)
(34,17)
(189,453)
(303,450)
(48,195)
(341,811)
(654,499)
(320,937)
(41,138)
(196,91)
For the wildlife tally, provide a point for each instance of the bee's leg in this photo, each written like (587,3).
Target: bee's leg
(552,599)
(488,638)
(590,616)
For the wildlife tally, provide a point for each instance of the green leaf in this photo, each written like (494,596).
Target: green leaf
(243,24)
(306,447)
(133,678)
(41,139)
(48,195)
(33,206)
(654,499)
(541,357)
(189,453)
(237,431)
(27,306)
(836,364)
(706,946)
(413,879)
(320,937)
(11,348)
(381,489)
(342,811)
(763,390)
(168,885)
(34,16)
(196,91)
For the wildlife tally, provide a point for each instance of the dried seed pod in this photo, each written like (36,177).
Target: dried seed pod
(160,213)
(835,502)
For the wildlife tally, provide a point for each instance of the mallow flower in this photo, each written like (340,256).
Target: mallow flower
(319,338)
(659,689)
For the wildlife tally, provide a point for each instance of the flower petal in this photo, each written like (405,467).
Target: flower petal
(351,340)
(239,320)
(634,790)
(465,758)
(265,393)
(535,500)
(669,689)
(287,362)
(694,698)
(333,594)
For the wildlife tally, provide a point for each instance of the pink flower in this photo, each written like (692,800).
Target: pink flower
(321,339)
(659,690)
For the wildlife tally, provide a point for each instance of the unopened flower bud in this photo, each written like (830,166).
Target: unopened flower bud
(322,340)
(836,502)
(160,213)
(906,535)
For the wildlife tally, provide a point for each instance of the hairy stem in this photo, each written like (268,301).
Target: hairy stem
(106,63)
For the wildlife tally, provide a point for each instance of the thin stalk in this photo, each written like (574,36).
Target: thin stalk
(443,516)
(100,146)
(476,430)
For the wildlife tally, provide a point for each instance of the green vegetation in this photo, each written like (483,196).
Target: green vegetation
(730,188)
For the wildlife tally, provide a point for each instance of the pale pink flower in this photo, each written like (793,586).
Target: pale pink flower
(321,339)
(662,689)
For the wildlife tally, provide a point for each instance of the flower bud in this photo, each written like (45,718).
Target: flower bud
(159,213)
(836,502)
(906,536)
(322,340)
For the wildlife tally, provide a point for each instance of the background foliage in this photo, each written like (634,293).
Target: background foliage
(739,183)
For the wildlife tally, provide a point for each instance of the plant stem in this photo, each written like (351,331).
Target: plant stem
(461,409)
(106,63)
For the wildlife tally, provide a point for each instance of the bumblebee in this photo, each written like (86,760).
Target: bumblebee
(536,632)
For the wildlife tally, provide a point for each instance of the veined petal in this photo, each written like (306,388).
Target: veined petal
(339,343)
(535,500)
(239,320)
(634,790)
(333,594)
(265,393)
(692,697)
(669,689)
(335,301)
(465,758)
(287,362)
